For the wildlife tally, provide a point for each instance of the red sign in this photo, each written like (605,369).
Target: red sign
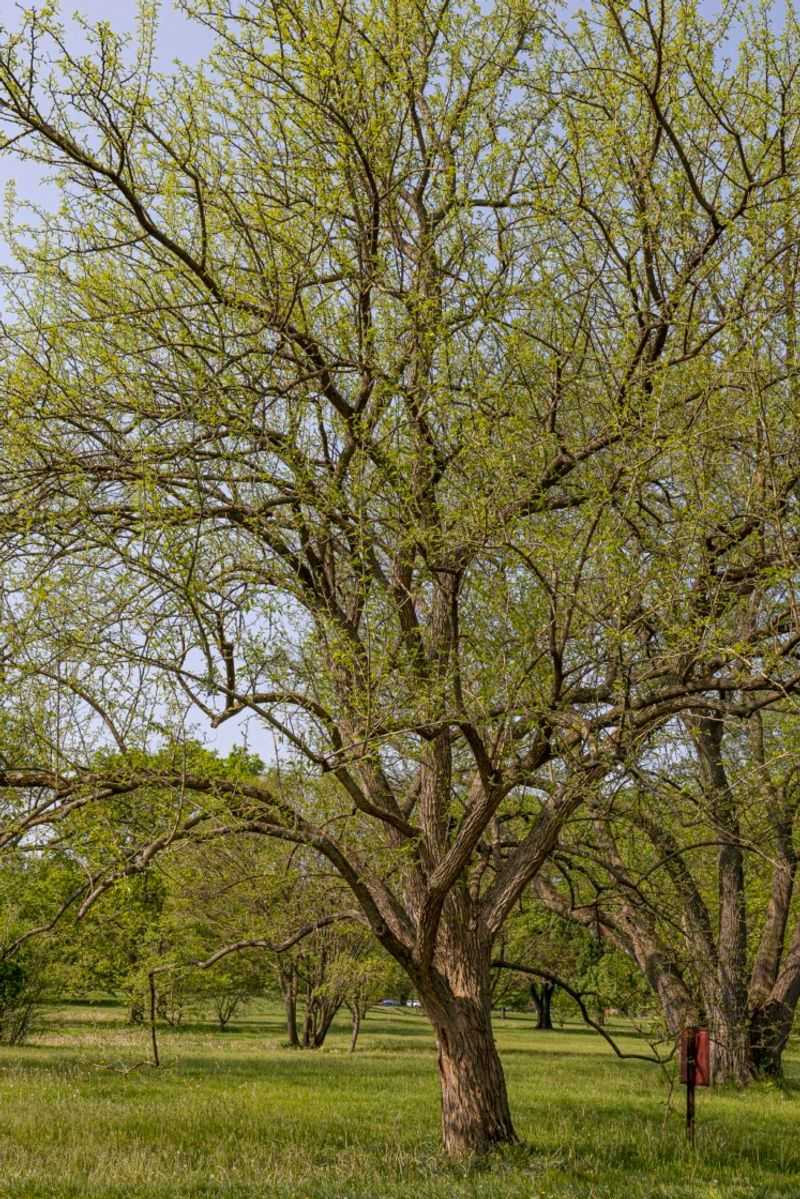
(695,1049)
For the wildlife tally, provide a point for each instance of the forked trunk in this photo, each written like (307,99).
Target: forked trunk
(772,1019)
(136,1011)
(542,999)
(319,1017)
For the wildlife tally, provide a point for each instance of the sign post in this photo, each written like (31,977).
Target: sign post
(695,1069)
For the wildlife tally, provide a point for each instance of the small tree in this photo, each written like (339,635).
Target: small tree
(229,986)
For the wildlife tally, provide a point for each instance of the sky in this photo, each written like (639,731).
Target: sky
(178,39)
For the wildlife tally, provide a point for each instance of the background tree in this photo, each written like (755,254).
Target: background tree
(109,951)
(690,870)
(563,946)
(257,893)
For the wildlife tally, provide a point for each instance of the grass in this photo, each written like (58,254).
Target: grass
(236,1115)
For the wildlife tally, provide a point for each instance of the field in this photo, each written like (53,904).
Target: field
(237,1115)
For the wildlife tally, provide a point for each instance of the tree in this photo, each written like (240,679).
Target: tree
(339,967)
(391,380)
(690,870)
(21,987)
(367,973)
(562,946)
(31,885)
(254,894)
(111,949)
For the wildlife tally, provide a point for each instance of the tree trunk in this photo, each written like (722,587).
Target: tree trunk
(290,1001)
(730,1036)
(767,962)
(287,976)
(665,980)
(731,1059)
(771,1022)
(542,998)
(770,1027)
(325,1023)
(319,1017)
(309,1028)
(355,1018)
(533,991)
(475,1113)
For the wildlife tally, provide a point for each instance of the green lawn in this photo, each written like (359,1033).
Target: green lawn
(237,1115)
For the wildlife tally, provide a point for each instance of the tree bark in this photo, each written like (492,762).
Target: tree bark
(730,1039)
(771,1022)
(287,976)
(153,1018)
(770,1027)
(475,1112)
(319,1017)
(731,1060)
(767,960)
(290,1001)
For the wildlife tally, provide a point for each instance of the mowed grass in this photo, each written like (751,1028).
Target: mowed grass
(238,1115)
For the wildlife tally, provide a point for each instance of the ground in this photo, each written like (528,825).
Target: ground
(239,1116)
